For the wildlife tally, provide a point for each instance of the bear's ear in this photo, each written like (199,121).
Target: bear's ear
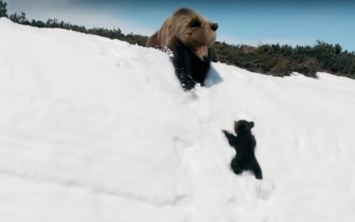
(214,26)
(251,125)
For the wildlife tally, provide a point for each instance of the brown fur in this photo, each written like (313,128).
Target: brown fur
(189,27)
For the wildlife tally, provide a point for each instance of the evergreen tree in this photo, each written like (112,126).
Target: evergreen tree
(3,10)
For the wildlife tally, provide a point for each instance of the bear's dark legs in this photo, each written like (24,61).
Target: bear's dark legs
(239,165)
(189,69)
(189,74)
(257,170)
(199,69)
(186,81)
(182,64)
(237,169)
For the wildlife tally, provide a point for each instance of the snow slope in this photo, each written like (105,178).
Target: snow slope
(93,129)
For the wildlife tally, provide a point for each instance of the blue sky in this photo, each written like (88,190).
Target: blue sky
(251,22)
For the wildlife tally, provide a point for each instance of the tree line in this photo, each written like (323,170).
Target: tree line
(283,60)
(274,59)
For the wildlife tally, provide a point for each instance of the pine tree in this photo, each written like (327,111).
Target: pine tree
(3,10)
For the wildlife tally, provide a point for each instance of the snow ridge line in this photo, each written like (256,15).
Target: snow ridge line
(34,176)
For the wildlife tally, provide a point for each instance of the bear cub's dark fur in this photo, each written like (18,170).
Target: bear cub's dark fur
(244,143)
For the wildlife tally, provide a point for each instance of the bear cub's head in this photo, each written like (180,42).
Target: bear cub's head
(196,32)
(243,126)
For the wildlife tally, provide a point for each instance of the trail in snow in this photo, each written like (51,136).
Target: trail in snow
(93,129)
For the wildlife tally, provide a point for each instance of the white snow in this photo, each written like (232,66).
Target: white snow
(98,130)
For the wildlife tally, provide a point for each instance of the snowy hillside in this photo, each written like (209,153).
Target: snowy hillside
(96,130)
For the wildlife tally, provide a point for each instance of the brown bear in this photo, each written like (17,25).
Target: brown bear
(190,38)
(244,143)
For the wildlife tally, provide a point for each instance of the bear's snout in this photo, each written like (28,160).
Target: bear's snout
(202,53)
(205,58)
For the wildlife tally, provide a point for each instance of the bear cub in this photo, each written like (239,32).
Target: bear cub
(244,143)
(190,38)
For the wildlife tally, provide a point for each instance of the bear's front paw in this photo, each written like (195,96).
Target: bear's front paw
(259,176)
(225,132)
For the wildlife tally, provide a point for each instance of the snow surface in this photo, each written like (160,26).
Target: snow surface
(98,130)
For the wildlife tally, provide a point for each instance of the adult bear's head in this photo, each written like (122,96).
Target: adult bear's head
(194,31)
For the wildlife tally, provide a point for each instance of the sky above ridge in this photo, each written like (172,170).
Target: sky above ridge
(254,22)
